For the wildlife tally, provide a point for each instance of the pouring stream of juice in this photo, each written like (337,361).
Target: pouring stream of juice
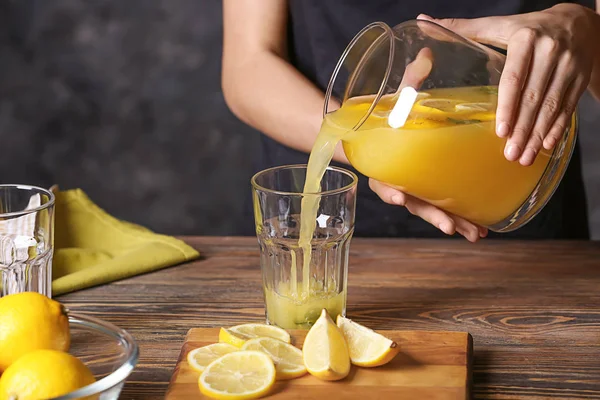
(320,157)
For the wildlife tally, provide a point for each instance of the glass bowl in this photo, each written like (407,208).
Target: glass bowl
(415,107)
(108,351)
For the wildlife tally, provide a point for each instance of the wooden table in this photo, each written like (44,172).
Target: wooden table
(533,308)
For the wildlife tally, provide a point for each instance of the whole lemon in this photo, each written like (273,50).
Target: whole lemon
(43,374)
(31,321)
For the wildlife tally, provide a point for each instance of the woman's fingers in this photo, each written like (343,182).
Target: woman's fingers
(449,224)
(569,103)
(429,213)
(541,67)
(418,70)
(387,193)
(483,231)
(518,58)
(469,230)
(546,51)
(551,105)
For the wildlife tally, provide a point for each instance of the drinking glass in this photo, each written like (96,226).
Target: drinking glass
(298,280)
(26,239)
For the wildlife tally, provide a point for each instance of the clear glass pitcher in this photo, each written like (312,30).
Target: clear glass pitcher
(417,104)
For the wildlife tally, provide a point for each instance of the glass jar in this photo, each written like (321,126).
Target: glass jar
(417,107)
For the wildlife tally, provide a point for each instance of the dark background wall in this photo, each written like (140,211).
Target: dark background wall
(122,99)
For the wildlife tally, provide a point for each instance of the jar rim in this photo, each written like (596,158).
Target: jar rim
(387,33)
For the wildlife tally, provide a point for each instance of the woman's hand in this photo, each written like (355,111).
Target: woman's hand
(550,59)
(447,223)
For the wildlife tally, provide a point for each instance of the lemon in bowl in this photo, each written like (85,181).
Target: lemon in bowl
(31,321)
(111,354)
(100,358)
(42,374)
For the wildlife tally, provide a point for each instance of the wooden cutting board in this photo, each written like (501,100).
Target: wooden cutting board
(430,365)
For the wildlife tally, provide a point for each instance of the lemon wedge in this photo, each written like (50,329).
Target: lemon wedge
(287,358)
(239,334)
(325,351)
(238,375)
(367,347)
(199,358)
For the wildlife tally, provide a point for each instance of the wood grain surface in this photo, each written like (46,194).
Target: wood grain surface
(430,365)
(533,308)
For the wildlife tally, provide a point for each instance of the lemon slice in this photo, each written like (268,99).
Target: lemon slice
(475,107)
(387,103)
(367,347)
(287,358)
(238,375)
(425,123)
(325,351)
(437,106)
(202,356)
(477,111)
(239,334)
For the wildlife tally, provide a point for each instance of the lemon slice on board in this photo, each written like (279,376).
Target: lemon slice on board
(238,375)
(202,356)
(367,347)
(239,334)
(325,351)
(287,358)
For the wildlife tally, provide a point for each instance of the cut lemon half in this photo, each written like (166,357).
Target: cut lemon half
(287,358)
(325,351)
(367,347)
(238,375)
(199,358)
(239,334)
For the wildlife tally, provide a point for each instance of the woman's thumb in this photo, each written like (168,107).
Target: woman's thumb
(489,30)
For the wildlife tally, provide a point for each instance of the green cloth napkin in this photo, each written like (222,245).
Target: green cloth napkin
(93,248)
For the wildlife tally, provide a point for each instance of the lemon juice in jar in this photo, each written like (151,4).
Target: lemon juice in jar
(447,153)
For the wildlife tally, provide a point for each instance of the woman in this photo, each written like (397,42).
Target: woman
(278,57)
